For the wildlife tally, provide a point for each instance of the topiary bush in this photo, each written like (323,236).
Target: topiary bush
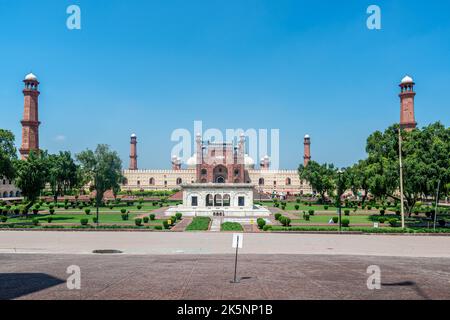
(381,219)
(49,219)
(146,219)
(84,221)
(125,216)
(345,222)
(277,216)
(3,219)
(382,212)
(87,211)
(51,211)
(369,207)
(178,216)
(311,212)
(122,211)
(261,223)
(166,224)
(306,216)
(138,221)
(139,207)
(298,200)
(335,219)
(393,222)
(152,217)
(325,207)
(347,212)
(36,221)
(297,207)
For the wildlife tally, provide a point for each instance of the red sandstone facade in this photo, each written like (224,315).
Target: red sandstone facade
(307,150)
(133,153)
(407,94)
(220,162)
(30,122)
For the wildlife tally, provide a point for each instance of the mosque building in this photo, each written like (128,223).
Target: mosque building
(218,164)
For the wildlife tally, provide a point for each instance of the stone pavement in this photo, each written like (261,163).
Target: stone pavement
(216,224)
(39,276)
(166,243)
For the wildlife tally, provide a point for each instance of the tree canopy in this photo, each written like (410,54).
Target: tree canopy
(103,168)
(8,154)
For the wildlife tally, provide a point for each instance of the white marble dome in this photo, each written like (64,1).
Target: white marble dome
(191,162)
(31,77)
(249,162)
(407,79)
(133,135)
(307,136)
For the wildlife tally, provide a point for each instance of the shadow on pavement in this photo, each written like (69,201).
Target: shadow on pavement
(15,285)
(412,284)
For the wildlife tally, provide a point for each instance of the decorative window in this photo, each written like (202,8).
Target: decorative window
(152,181)
(261,181)
(194,201)
(288,181)
(204,172)
(241,201)
(209,200)
(226,200)
(179,181)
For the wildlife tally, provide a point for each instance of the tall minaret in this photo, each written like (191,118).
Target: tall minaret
(133,152)
(307,150)
(30,122)
(407,94)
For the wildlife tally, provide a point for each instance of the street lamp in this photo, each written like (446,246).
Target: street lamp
(402,204)
(340,173)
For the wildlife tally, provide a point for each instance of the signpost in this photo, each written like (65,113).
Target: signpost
(238,239)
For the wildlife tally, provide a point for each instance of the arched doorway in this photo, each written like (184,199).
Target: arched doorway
(218,200)
(220,174)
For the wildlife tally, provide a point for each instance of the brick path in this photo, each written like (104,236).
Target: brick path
(181,226)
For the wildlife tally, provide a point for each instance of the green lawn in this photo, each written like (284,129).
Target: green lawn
(231,226)
(327,218)
(199,224)
(75,218)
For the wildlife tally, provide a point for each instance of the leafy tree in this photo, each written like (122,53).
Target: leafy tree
(32,174)
(63,174)
(8,154)
(425,154)
(103,168)
(320,177)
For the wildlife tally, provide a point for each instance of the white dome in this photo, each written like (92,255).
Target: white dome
(133,135)
(307,136)
(191,162)
(249,162)
(31,77)
(407,79)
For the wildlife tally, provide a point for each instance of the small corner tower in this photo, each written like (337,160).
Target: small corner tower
(30,122)
(307,150)
(176,163)
(407,94)
(133,152)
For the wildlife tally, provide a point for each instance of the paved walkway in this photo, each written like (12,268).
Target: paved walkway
(164,243)
(181,226)
(176,277)
(216,225)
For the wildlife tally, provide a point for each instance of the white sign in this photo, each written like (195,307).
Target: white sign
(238,238)
(375,224)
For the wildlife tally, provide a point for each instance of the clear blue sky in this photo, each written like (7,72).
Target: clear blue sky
(150,67)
